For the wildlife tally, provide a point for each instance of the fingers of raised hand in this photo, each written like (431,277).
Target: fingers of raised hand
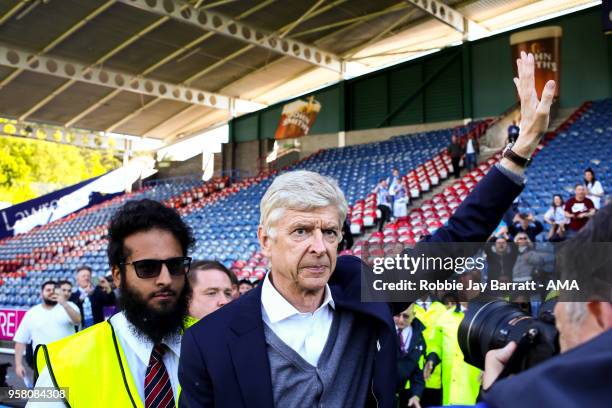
(548,94)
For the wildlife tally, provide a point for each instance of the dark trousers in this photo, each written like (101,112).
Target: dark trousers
(385,215)
(456,169)
(431,397)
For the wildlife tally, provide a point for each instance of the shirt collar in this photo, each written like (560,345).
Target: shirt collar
(141,346)
(278,308)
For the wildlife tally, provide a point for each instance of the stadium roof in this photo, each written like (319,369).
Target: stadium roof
(167,69)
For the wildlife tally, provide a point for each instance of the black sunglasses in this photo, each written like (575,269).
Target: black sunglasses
(151,268)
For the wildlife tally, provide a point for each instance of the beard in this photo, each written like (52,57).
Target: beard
(150,323)
(50,302)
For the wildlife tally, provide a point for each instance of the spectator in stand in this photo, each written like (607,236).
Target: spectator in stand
(244,285)
(400,202)
(455,151)
(472,149)
(525,223)
(211,288)
(513,132)
(595,190)
(347,236)
(45,323)
(527,260)
(578,209)
(393,181)
(555,216)
(411,352)
(91,299)
(500,258)
(383,202)
(66,288)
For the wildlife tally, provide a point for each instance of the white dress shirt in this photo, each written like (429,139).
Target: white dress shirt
(306,333)
(137,352)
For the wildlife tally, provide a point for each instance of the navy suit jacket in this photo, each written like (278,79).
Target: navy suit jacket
(224,362)
(580,377)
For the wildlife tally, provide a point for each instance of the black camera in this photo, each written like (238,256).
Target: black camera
(492,325)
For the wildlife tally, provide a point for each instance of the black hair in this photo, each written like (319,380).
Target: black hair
(64,282)
(553,200)
(87,268)
(590,170)
(248,282)
(141,216)
(207,264)
(49,282)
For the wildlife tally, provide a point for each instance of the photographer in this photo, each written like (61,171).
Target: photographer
(580,376)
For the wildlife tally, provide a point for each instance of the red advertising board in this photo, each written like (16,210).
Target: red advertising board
(9,322)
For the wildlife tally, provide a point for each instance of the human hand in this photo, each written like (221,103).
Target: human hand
(427,370)
(105,285)
(495,361)
(20,371)
(535,113)
(414,402)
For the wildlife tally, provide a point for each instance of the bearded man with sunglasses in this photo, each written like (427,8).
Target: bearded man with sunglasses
(131,360)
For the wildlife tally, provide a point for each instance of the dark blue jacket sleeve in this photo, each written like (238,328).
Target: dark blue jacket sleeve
(196,386)
(473,222)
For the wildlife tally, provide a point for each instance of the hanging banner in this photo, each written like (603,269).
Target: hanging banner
(545,45)
(38,207)
(10,319)
(297,118)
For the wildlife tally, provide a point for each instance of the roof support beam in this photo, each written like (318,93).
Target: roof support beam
(74,72)
(5,81)
(445,14)
(158,64)
(283,30)
(12,11)
(363,18)
(223,25)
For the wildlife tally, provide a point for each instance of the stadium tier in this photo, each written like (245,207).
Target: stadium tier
(583,140)
(227,235)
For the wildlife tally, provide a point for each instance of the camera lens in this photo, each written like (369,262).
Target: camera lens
(489,326)
(494,324)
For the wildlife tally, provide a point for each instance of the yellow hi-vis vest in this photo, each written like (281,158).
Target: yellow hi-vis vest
(460,380)
(429,318)
(87,362)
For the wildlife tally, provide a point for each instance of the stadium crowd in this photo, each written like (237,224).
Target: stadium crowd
(163,329)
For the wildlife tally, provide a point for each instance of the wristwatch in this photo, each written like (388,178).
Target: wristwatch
(515,158)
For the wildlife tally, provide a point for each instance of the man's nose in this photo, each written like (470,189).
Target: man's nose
(164,278)
(317,244)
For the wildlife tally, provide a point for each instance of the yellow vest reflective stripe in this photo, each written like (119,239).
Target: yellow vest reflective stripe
(428,318)
(86,363)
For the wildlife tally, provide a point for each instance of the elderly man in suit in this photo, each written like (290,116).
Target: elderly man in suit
(304,337)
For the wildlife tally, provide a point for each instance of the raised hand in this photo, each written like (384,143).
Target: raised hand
(535,113)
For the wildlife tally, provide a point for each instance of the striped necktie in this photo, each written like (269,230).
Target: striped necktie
(158,389)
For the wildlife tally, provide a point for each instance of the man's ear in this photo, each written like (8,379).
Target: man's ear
(116,276)
(264,240)
(602,313)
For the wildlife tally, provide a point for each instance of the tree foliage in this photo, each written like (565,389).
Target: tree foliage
(25,164)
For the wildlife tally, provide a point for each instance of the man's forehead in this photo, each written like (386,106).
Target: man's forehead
(211,278)
(327,216)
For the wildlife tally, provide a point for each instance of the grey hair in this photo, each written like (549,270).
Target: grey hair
(300,190)
(576,312)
